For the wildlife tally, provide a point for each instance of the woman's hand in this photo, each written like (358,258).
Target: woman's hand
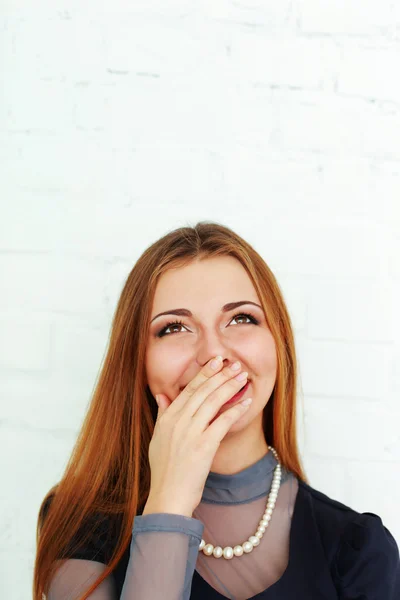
(184,442)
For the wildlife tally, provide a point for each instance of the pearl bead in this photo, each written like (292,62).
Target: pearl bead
(208,549)
(228,552)
(253,540)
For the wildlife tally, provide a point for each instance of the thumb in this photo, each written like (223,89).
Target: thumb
(162,403)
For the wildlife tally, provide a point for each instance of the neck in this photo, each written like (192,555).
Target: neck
(239,450)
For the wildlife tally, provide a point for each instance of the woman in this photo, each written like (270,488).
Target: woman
(197,495)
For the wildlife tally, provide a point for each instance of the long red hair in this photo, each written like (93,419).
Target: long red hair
(108,472)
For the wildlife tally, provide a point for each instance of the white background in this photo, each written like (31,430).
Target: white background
(120,121)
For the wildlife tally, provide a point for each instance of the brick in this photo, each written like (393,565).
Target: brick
(365,72)
(336,126)
(341,17)
(334,428)
(344,368)
(24,345)
(45,282)
(351,310)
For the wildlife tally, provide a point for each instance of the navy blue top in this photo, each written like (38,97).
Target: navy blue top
(335,553)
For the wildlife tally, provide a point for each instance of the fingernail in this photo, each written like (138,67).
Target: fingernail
(216,362)
(247,401)
(241,376)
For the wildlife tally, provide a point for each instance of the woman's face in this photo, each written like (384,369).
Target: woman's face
(175,354)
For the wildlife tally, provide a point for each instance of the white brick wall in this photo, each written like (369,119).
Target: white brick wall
(120,121)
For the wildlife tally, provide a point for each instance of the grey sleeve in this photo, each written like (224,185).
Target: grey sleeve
(75,576)
(163,555)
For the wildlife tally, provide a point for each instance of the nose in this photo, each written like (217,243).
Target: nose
(226,362)
(211,343)
(210,351)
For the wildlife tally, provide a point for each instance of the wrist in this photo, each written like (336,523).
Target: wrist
(157,505)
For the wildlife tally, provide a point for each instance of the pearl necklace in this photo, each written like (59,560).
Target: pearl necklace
(228,552)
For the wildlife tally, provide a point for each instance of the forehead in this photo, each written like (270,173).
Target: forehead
(219,279)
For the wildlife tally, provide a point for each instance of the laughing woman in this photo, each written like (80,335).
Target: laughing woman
(186,480)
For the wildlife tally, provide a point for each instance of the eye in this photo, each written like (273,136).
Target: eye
(163,331)
(250,317)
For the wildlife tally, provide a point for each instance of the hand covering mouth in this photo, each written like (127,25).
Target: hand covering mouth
(247,381)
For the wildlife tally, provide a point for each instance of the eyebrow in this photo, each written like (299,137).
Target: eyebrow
(184,312)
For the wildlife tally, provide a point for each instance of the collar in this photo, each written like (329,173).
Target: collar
(248,484)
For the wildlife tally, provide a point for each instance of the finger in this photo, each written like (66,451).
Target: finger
(218,429)
(197,382)
(215,390)
(163,402)
(209,409)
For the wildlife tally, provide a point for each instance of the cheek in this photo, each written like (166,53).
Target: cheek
(163,367)
(263,353)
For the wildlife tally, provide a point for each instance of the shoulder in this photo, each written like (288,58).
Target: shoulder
(95,537)
(364,555)
(331,513)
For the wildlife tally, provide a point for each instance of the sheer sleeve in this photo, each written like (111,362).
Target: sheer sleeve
(367,563)
(163,553)
(75,576)
(85,563)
